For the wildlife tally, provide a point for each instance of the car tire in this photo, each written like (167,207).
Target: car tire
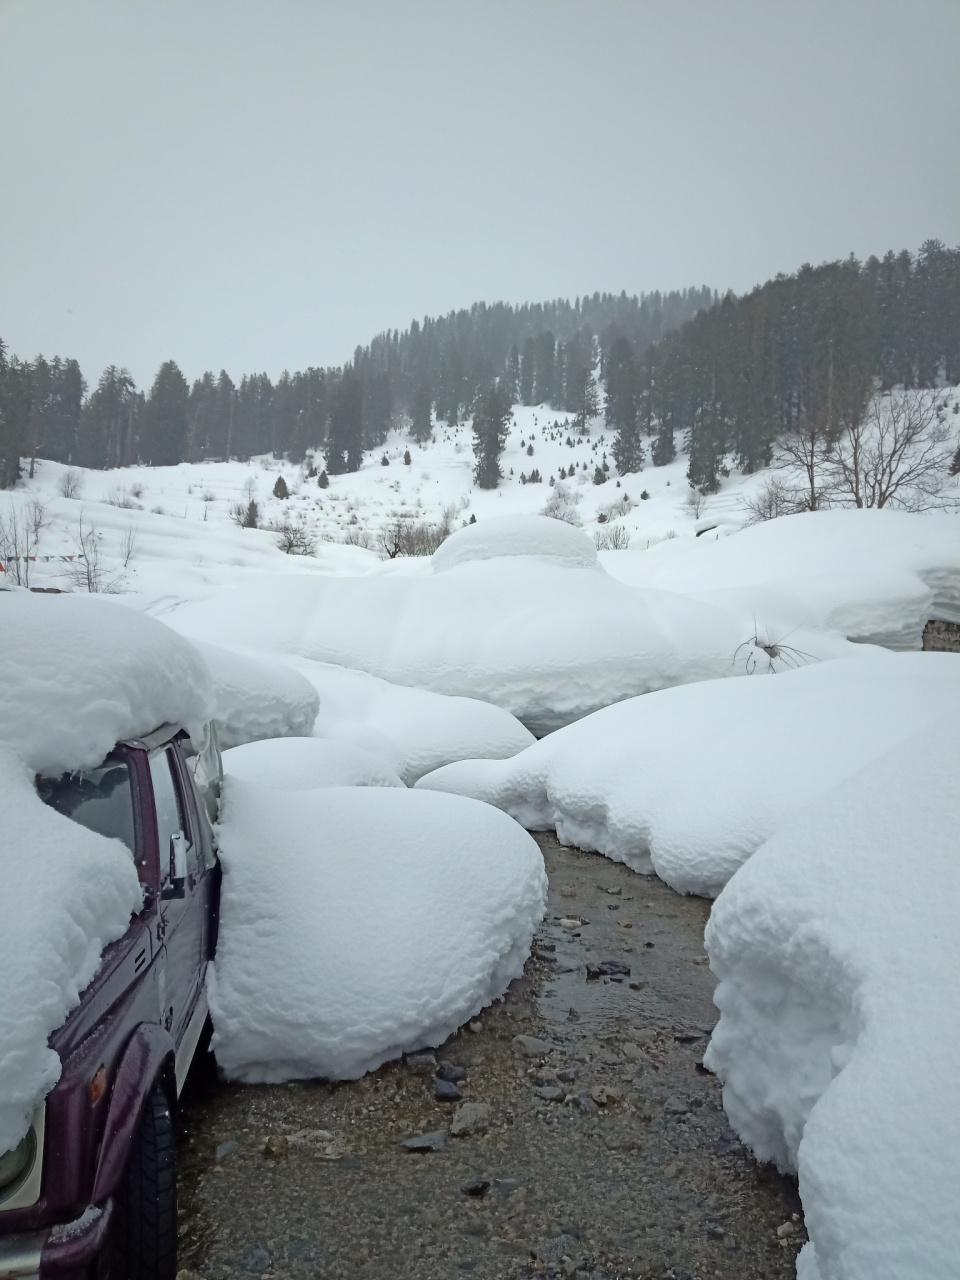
(145,1232)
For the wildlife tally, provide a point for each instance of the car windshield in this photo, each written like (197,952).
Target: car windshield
(101,799)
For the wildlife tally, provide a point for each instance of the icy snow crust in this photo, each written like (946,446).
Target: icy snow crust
(875,576)
(689,782)
(361,924)
(304,764)
(837,950)
(79,675)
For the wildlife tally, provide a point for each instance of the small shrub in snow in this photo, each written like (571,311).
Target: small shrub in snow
(246,516)
(615,538)
(120,497)
(384,461)
(136,490)
(70,483)
(644,496)
(19,536)
(207,496)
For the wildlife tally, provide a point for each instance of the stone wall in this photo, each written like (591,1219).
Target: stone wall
(941,637)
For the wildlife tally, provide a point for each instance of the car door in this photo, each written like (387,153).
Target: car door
(181,904)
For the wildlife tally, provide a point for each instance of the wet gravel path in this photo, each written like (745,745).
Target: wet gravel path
(600,1148)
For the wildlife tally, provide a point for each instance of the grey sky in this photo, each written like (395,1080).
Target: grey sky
(261,185)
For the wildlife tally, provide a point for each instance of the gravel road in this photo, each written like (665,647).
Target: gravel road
(599,1147)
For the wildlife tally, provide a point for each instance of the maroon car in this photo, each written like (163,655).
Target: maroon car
(91,1189)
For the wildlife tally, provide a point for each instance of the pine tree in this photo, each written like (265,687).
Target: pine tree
(280,489)
(621,407)
(491,426)
(421,428)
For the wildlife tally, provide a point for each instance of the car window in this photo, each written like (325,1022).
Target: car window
(100,799)
(169,819)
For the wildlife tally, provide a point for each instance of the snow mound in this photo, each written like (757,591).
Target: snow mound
(304,764)
(689,782)
(875,576)
(837,951)
(410,730)
(544,641)
(79,675)
(257,698)
(359,924)
(516,536)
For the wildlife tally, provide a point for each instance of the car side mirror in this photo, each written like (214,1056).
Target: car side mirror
(178,866)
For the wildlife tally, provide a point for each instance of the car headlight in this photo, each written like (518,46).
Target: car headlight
(16,1164)
(21,1167)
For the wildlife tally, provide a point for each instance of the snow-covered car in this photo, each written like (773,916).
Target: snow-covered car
(90,1191)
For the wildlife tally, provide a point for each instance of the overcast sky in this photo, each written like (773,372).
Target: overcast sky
(264,184)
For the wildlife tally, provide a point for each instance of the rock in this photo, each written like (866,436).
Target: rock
(310,1137)
(276,1147)
(475,1187)
(567,891)
(422,1063)
(675,1107)
(567,1074)
(446,1091)
(633,1052)
(226,1149)
(715,1231)
(672,1169)
(256,1258)
(475,1027)
(550,1093)
(603,1095)
(593,972)
(586,1106)
(786,1230)
(506,1186)
(550,1252)
(472,1117)
(643,1035)
(571,924)
(451,1071)
(425,1141)
(687,1037)
(532,1046)
(607,969)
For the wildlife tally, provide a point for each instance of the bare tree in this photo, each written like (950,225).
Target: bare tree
(20,533)
(696,503)
(613,538)
(776,498)
(128,547)
(87,571)
(294,538)
(898,454)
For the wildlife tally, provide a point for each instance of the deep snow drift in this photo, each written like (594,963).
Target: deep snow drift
(411,730)
(837,950)
(79,675)
(875,576)
(688,782)
(358,924)
(545,634)
(304,764)
(255,697)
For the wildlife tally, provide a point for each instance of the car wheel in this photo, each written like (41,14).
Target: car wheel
(145,1235)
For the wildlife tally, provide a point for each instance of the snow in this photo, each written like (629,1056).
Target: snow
(873,576)
(545,641)
(520,535)
(79,675)
(359,924)
(82,673)
(690,781)
(837,952)
(410,730)
(257,697)
(304,764)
